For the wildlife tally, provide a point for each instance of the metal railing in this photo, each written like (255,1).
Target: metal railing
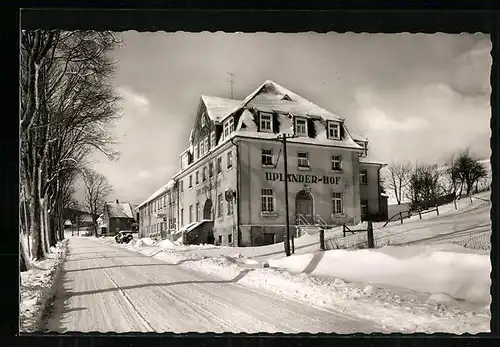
(321,222)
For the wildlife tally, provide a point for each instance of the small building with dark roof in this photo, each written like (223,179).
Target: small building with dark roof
(116,216)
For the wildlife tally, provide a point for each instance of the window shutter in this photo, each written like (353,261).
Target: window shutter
(342,131)
(256,120)
(311,129)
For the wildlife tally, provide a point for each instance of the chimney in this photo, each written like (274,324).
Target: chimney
(117,201)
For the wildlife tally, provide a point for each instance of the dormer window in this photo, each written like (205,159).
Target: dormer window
(203,119)
(196,152)
(266,122)
(228,127)
(300,127)
(334,130)
(202,148)
(207,147)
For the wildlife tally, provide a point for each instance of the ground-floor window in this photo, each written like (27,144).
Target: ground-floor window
(220,205)
(337,202)
(182,216)
(190,213)
(364,207)
(229,238)
(220,239)
(197,211)
(230,208)
(268,238)
(267,199)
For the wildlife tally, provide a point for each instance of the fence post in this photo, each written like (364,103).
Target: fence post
(419,214)
(437,209)
(470,197)
(455,203)
(371,243)
(293,244)
(322,239)
(401,217)
(285,244)
(343,229)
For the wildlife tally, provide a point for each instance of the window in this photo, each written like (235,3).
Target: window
(301,127)
(230,208)
(267,157)
(220,239)
(336,162)
(196,152)
(303,159)
(228,127)
(197,211)
(334,130)
(197,177)
(229,238)
(190,181)
(204,174)
(207,146)
(267,199)
(182,216)
(337,202)
(229,159)
(212,139)
(266,122)
(202,148)
(220,206)
(363,176)
(364,207)
(203,119)
(210,169)
(190,213)
(181,184)
(219,164)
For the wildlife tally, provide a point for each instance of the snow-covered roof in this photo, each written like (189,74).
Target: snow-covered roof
(246,128)
(119,210)
(271,96)
(219,108)
(371,159)
(159,192)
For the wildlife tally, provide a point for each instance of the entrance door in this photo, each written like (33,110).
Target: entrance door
(304,206)
(207,210)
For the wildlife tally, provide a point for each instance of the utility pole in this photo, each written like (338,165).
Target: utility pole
(231,81)
(285,162)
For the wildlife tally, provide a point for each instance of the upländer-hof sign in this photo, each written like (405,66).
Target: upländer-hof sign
(302,178)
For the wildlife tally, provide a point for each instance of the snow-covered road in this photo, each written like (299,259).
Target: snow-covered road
(110,289)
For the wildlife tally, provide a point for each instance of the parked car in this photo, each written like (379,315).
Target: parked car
(124,237)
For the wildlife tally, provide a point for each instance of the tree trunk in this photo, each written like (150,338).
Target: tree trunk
(35,230)
(25,264)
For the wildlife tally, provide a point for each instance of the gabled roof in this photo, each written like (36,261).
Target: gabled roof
(219,108)
(119,210)
(272,96)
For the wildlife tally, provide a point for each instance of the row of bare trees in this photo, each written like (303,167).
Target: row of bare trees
(421,183)
(67,107)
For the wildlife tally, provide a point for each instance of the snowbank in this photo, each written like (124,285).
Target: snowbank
(37,288)
(394,310)
(447,269)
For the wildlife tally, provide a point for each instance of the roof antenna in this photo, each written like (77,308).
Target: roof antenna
(232,82)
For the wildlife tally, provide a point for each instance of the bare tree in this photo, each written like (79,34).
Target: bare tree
(399,179)
(466,171)
(67,105)
(97,188)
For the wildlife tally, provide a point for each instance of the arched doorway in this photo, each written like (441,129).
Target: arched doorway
(304,206)
(207,210)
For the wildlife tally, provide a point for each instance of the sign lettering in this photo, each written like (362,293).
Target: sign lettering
(207,188)
(302,178)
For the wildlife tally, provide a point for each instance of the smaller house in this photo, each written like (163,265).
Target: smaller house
(116,216)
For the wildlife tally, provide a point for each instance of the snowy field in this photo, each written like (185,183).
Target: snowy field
(412,287)
(36,287)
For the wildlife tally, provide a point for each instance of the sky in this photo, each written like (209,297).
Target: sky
(417,97)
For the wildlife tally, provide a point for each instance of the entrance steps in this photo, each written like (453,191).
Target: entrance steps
(309,229)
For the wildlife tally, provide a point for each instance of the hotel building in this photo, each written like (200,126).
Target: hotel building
(230,188)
